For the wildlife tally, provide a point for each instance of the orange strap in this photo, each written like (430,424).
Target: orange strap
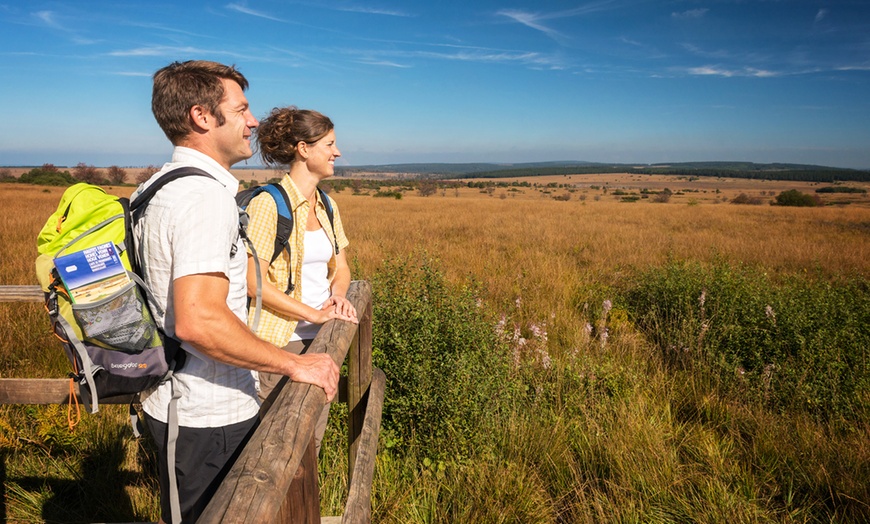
(73,399)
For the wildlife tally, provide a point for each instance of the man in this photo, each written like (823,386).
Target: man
(195,266)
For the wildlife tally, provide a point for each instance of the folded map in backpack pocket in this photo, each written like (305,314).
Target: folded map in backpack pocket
(92,274)
(121,320)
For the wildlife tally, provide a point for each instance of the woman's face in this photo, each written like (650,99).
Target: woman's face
(322,155)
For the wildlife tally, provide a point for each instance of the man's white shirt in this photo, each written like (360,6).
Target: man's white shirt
(191,227)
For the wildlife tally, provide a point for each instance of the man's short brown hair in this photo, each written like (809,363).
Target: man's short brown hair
(182,85)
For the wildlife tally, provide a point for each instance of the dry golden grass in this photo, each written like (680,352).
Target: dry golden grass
(544,249)
(548,253)
(536,247)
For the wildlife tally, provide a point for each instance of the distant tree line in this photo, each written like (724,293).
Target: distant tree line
(51,175)
(840,189)
(821,174)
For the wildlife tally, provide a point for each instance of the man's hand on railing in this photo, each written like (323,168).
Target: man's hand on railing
(317,369)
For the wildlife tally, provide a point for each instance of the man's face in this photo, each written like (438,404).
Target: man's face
(232,140)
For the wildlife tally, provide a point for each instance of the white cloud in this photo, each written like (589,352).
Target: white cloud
(384,63)
(856,67)
(821,15)
(47,17)
(248,11)
(690,14)
(158,51)
(720,71)
(535,20)
(372,11)
(529,20)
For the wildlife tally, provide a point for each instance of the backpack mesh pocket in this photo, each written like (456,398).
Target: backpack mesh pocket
(121,320)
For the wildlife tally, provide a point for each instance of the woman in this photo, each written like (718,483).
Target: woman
(317,265)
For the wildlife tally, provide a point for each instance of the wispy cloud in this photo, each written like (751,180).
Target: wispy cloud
(384,63)
(821,15)
(131,73)
(527,58)
(698,51)
(530,20)
(167,29)
(48,18)
(536,20)
(457,53)
(157,51)
(729,72)
(372,11)
(690,14)
(84,41)
(242,8)
(175,52)
(855,67)
(20,53)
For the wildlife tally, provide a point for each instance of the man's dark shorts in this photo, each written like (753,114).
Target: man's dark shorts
(204,456)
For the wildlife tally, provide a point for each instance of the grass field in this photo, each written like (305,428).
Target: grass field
(599,422)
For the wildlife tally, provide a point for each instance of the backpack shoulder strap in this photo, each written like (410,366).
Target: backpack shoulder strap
(135,208)
(329,213)
(285,219)
(284,226)
(142,200)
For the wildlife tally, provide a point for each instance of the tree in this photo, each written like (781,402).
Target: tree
(116,175)
(427,188)
(146,173)
(663,196)
(88,174)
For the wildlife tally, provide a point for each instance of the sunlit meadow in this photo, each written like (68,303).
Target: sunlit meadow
(559,402)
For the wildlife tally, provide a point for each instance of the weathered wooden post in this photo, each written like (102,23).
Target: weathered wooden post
(359,377)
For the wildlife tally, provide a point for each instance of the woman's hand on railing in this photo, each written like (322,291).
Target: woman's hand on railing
(341,308)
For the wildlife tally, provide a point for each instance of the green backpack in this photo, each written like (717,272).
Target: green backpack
(104,324)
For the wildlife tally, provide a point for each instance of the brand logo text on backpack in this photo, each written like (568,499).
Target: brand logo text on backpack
(128,365)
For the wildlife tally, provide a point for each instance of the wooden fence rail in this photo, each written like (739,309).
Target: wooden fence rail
(275,477)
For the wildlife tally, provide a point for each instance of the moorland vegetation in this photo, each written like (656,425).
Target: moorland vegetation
(548,360)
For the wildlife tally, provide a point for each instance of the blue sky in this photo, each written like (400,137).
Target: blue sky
(446,81)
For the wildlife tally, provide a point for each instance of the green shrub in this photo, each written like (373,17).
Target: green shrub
(47,175)
(743,198)
(388,194)
(841,189)
(797,345)
(795,198)
(448,375)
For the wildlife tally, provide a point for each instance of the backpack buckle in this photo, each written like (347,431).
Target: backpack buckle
(51,300)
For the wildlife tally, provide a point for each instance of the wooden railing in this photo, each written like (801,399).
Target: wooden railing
(275,477)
